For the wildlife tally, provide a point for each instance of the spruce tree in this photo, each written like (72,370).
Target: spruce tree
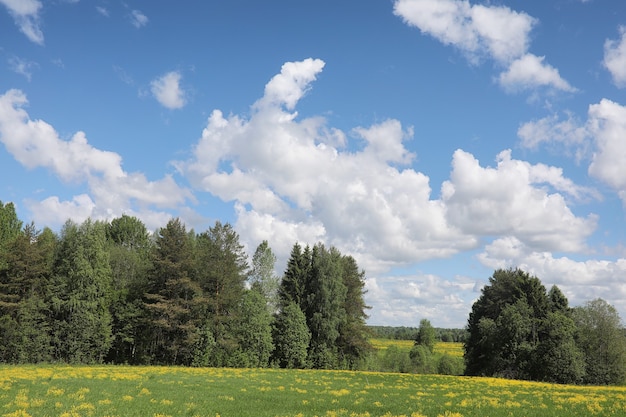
(82,281)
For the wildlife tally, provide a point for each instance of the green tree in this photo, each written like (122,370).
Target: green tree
(291,337)
(504,324)
(10,227)
(222,272)
(601,337)
(559,359)
(174,300)
(292,286)
(129,249)
(353,341)
(325,298)
(29,269)
(426,335)
(262,277)
(82,282)
(253,331)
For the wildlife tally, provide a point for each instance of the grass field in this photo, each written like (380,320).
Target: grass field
(450,348)
(101,391)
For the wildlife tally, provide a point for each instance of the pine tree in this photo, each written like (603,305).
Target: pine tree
(174,298)
(353,340)
(323,308)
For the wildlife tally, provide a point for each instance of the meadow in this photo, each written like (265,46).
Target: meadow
(99,391)
(450,348)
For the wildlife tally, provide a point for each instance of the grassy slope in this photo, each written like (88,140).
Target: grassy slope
(100,391)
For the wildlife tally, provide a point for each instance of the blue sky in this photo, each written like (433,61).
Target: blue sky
(433,140)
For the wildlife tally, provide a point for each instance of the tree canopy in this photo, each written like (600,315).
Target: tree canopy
(112,291)
(517,329)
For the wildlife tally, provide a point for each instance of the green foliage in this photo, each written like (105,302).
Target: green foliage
(601,337)
(291,337)
(323,308)
(518,330)
(82,283)
(262,277)
(503,325)
(426,335)
(174,298)
(253,331)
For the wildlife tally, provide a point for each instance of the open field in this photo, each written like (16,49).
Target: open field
(100,391)
(450,348)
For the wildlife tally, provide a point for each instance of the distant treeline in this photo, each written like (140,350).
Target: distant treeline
(411,333)
(111,292)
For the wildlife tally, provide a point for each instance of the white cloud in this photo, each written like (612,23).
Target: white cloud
(138,19)
(296,176)
(615,58)
(26,16)
(579,280)
(297,180)
(607,125)
(479,31)
(600,138)
(513,199)
(166,89)
(400,299)
(113,191)
(22,67)
(103,11)
(570,133)
(530,72)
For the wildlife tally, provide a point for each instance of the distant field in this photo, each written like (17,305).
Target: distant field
(101,391)
(451,348)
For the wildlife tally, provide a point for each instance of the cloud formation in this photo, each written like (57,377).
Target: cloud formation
(615,58)
(113,191)
(600,139)
(166,89)
(483,31)
(26,16)
(297,179)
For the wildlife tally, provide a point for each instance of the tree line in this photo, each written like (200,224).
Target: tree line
(111,292)
(518,329)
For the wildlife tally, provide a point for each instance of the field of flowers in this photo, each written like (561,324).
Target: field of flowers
(451,348)
(101,391)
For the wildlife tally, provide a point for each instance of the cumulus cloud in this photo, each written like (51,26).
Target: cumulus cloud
(569,133)
(138,19)
(400,299)
(607,125)
(113,191)
(600,138)
(166,89)
(530,72)
(514,199)
(484,31)
(615,58)
(26,16)
(580,280)
(295,179)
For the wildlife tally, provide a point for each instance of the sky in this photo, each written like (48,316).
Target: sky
(433,140)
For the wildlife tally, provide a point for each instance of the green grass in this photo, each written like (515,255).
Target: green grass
(451,348)
(100,391)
